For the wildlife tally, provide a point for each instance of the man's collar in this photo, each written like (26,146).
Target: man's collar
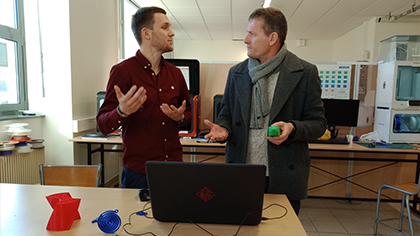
(145,62)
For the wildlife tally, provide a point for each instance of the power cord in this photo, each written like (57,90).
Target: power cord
(208,159)
(275,218)
(140,213)
(145,214)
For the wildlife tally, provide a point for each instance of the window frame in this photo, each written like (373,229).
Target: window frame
(18,36)
(123,23)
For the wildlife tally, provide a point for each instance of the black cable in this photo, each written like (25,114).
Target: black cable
(208,159)
(275,218)
(200,227)
(173,227)
(208,232)
(145,209)
(137,213)
(240,226)
(129,223)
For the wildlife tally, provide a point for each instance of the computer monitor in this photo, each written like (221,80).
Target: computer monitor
(100,97)
(190,68)
(340,112)
(217,105)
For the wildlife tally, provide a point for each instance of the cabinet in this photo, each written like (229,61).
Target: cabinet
(397,110)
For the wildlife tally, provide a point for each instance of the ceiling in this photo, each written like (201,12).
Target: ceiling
(307,19)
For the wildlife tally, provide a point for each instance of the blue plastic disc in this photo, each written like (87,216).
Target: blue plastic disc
(109,222)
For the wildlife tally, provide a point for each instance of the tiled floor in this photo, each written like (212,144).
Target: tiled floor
(322,217)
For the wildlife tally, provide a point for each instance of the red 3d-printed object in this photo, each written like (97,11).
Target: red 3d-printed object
(65,211)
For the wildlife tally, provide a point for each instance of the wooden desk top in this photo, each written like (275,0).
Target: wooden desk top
(109,140)
(187,142)
(193,143)
(25,211)
(312,146)
(356,148)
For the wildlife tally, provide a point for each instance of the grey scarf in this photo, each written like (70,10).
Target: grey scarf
(259,73)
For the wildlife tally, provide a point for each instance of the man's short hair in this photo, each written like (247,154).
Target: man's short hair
(143,18)
(274,21)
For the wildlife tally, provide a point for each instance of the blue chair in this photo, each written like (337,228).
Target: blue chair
(407,189)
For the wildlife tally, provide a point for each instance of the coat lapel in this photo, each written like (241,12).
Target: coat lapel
(244,91)
(291,72)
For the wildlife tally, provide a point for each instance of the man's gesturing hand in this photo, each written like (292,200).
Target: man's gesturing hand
(176,114)
(132,100)
(216,132)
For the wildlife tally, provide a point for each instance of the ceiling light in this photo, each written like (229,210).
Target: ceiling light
(266,3)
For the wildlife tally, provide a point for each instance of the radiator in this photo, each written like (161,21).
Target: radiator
(21,168)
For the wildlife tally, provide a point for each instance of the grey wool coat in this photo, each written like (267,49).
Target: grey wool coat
(297,99)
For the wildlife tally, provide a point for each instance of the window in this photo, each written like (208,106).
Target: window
(129,43)
(13,92)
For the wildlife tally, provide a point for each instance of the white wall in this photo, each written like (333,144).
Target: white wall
(370,48)
(352,45)
(362,43)
(314,51)
(235,51)
(386,30)
(210,51)
(57,103)
(94,39)
(94,50)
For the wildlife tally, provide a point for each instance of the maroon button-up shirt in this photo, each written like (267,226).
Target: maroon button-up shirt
(147,134)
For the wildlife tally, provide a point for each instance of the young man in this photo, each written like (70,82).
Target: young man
(271,87)
(148,97)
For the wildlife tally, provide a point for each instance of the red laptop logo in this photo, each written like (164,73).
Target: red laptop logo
(205,194)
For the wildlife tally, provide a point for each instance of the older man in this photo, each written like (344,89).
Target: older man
(272,87)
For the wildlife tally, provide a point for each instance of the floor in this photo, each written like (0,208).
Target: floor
(321,217)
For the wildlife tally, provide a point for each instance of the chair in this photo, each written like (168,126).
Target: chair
(71,175)
(407,189)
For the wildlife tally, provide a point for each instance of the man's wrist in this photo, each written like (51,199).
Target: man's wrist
(122,114)
(182,120)
(293,129)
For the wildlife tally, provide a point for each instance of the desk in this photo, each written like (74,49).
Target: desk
(350,153)
(117,140)
(25,211)
(112,140)
(357,177)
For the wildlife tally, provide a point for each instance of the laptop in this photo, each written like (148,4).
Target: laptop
(206,192)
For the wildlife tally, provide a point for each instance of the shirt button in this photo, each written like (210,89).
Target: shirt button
(148,64)
(112,128)
(160,90)
(166,140)
(166,156)
(163,123)
(119,122)
(145,67)
(153,73)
